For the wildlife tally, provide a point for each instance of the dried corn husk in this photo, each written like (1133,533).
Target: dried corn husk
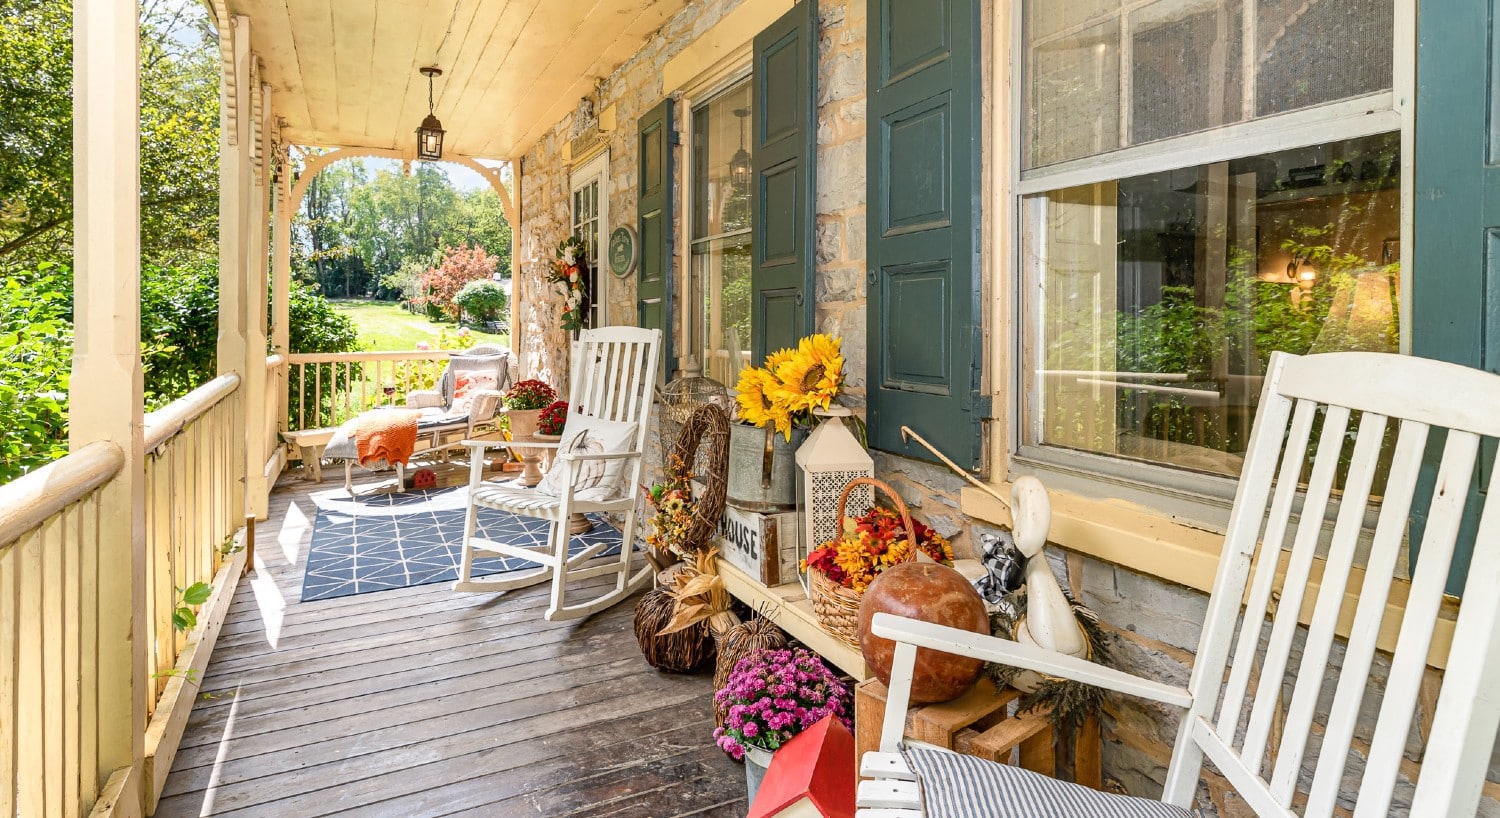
(701,597)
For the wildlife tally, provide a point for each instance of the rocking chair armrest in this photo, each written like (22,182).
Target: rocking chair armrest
(607,456)
(481,445)
(1026,657)
(424,399)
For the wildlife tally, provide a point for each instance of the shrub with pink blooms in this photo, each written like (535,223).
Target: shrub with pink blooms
(773,695)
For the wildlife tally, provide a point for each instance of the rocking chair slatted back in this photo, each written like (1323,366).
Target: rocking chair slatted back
(1309,404)
(614,369)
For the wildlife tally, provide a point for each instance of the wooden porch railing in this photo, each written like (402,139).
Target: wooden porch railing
(189,508)
(52,658)
(276,369)
(49,641)
(326,389)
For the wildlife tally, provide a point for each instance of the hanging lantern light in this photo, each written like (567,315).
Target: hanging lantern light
(430,134)
(739,164)
(829,459)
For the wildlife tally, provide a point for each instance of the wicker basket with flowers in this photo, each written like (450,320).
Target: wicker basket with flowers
(840,570)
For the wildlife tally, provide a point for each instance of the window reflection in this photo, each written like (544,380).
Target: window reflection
(1161,297)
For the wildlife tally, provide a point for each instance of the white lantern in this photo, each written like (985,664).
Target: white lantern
(829,458)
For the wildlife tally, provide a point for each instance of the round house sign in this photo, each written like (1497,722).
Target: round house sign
(624,251)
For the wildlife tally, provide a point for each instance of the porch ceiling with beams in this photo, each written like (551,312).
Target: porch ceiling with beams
(344,72)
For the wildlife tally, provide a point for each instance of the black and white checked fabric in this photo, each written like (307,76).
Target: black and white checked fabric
(960,786)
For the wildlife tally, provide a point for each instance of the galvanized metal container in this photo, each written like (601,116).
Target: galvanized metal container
(762,477)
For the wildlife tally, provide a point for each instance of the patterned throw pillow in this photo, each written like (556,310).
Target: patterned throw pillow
(590,435)
(466,386)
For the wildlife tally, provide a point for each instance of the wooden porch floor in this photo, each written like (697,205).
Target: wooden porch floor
(423,702)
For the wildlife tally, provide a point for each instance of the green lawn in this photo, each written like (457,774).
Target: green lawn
(385,327)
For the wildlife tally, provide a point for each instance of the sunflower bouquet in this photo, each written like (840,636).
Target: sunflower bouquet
(792,383)
(568,272)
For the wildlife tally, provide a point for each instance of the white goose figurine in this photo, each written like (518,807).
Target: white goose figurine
(1049,621)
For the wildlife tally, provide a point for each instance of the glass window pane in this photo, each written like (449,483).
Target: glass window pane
(1073,96)
(1310,53)
(721,272)
(1185,68)
(1102,74)
(1161,297)
(721,142)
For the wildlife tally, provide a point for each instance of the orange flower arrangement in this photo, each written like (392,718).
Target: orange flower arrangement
(871,543)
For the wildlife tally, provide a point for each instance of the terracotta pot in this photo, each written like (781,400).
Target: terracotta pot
(523,422)
(931,593)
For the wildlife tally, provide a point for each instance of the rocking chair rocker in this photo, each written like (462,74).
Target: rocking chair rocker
(1234,713)
(613,373)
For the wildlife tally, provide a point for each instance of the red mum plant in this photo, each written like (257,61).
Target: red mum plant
(553,418)
(530,394)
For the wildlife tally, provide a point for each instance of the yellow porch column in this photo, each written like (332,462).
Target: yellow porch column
(257,276)
(105,399)
(235,147)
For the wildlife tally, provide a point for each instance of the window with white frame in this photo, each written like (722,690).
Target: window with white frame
(719,330)
(590,208)
(1201,183)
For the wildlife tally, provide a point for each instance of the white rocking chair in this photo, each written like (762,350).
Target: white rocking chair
(613,374)
(1225,722)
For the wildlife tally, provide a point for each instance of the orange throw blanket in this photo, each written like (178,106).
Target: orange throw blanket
(385,434)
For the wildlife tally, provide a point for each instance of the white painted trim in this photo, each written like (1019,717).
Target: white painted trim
(595,169)
(1349,119)
(1404,99)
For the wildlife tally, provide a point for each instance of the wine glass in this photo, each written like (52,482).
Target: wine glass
(390,392)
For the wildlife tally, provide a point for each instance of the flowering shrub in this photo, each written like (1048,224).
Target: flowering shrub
(530,394)
(871,543)
(460,265)
(791,384)
(568,273)
(553,418)
(673,501)
(773,695)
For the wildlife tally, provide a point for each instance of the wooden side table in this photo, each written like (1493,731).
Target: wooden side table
(979,723)
(310,444)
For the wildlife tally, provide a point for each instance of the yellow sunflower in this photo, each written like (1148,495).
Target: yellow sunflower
(777,358)
(756,404)
(811,377)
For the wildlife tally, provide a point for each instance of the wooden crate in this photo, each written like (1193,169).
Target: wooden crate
(762,545)
(978,723)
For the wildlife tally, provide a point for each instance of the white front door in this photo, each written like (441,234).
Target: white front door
(590,209)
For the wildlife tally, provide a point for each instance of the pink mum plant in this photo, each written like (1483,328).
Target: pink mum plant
(773,695)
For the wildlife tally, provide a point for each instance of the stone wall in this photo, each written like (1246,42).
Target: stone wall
(1153,626)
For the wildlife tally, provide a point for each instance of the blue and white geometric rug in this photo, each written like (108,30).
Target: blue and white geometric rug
(385,541)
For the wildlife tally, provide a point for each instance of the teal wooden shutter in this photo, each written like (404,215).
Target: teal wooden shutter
(923,269)
(653,286)
(1455,275)
(781,199)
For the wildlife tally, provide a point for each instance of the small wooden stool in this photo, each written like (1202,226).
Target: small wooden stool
(978,723)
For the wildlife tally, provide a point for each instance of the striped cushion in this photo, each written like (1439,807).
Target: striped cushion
(960,786)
